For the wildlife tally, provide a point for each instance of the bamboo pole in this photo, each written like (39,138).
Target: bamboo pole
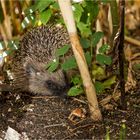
(66,9)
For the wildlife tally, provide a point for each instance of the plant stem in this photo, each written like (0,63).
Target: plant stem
(121,53)
(115,19)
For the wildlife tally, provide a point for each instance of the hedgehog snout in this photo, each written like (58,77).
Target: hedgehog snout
(56,89)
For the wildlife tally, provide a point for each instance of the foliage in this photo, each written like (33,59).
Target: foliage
(12,46)
(101,86)
(137,67)
(85,13)
(107,137)
(123,132)
(77,88)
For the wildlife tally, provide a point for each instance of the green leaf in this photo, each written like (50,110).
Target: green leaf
(85,43)
(75,90)
(109,82)
(45,16)
(98,72)
(76,80)
(63,50)
(13,45)
(85,17)
(88,57)
(103,59)
(43,4)
(105,1)
(69,64)
(137,66)
(30,10)
(123,132)
(2,45)
(104,48)
(53,65)
(107,137)
(24,23)
(77,12)
(99,87)
(27,20)
(96,38)
(84,29)
(93,9)
(55,6)
(6,53)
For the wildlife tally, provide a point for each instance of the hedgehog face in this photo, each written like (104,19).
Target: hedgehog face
(45,83)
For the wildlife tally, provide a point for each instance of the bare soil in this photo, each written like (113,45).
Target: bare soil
(44,118)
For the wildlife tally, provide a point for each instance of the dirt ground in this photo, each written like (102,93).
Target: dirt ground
(44,118)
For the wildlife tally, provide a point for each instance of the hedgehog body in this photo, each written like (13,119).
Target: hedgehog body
(37,48)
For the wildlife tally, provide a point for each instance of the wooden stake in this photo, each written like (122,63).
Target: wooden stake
(67,14)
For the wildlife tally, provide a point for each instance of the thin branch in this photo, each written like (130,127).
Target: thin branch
(132,41)
(7,22)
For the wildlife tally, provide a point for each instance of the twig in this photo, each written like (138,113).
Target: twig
(42,97)
(3,34)
(116,87)
(79,127)
(81,101)
(3,8)
(7,22)
(135,56)
(105,100)
(132,41)
(54,125)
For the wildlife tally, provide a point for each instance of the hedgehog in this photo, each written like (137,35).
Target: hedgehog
(37,48)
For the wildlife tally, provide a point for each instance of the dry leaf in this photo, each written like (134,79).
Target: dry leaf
(77,113)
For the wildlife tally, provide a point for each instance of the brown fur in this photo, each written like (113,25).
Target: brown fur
(37,48)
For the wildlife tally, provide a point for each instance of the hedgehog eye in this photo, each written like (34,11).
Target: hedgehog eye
(49,83)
